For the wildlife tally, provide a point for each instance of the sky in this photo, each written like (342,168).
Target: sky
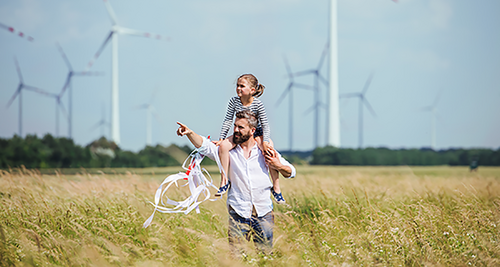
(419,51)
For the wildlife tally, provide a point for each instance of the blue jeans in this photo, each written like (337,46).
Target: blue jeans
(260,228)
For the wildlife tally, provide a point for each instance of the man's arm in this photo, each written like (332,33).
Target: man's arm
(195,139)
(274,162)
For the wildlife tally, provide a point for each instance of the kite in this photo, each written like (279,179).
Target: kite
(199,182)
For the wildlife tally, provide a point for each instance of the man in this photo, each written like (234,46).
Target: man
(249,204)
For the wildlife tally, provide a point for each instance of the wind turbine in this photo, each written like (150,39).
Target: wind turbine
(333,113)
(289,91)
(67,86)
(17,93)
(113,36)
(317,99)
(433,109)
(19,33)
(59,105)
(362,101)
(102,123)
(150,113)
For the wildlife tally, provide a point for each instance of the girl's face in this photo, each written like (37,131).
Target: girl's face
(243,88)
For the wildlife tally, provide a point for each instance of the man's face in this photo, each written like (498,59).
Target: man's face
(242,131)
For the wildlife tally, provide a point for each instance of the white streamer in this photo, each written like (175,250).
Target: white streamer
(198,184)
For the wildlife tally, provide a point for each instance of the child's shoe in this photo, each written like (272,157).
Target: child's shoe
(278,197)
(222,190)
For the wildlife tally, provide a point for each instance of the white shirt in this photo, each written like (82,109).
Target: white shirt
(250,183)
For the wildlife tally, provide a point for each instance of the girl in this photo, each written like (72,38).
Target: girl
(248,90)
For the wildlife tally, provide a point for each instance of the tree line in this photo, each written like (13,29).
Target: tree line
(392,157)
(51,152)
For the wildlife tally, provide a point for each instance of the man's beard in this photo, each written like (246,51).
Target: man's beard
(238,138)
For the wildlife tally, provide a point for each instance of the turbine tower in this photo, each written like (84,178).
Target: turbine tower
(316,88)
(59,105)
(434,113)
(113,36)
(289,91)
(102,123)
(149,119)
(68,86)
(362,101)
(18,93)
(333,114)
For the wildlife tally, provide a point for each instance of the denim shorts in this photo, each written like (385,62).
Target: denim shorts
(258,228)
(258,132)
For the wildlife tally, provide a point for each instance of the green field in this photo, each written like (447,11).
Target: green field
(338,216)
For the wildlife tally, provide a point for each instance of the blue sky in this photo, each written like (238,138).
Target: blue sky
(416,50)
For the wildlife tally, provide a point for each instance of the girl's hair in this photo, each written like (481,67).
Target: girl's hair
(259,88)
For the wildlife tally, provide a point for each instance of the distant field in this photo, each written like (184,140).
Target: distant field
(338,216)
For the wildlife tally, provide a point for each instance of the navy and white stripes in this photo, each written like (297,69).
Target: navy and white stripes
(257,107)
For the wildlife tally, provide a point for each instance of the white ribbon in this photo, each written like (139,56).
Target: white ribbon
(198,184)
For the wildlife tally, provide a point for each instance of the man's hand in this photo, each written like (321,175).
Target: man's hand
(272,159)
(183,130)
(195,139)
(274,162)
(217,143)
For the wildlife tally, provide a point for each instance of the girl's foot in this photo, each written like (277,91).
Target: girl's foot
(278,197)
(222,190)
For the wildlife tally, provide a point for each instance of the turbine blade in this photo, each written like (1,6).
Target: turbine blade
(305,72)
(438,97)
(64,56)
(323,56)
(287,66)
(18,90)
(66,85)
(303,86)
(322,79)
(367,104)
(111,13)
(18,69)
(89,73)
(309,110)
(350,95)
(367,83)
(61,105)
(39,91)
(283,95)
(20,34)
(98,53)
(142,106)
(95,126)
(122,30)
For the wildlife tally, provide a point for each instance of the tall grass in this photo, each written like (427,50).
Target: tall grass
(338,216)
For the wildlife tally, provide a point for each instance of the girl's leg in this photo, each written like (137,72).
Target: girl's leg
(274,173)
(224,148)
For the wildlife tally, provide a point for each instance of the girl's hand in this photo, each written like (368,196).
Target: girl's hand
(217,143)
(266,146)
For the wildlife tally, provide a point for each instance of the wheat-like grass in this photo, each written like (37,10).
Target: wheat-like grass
(338,216)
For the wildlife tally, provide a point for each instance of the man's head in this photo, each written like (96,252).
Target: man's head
(244,126)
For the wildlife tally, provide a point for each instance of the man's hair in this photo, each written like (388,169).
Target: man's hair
(249,115)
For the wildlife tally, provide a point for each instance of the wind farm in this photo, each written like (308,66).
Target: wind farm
(176,65)
(388,110)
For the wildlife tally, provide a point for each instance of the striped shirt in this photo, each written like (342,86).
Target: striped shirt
(256,107)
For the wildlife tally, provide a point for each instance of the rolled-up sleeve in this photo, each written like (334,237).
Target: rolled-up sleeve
(208,149)
(286,163)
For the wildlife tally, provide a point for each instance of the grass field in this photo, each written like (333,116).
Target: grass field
(338,216)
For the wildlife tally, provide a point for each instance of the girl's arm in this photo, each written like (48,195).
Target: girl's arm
(228,119)
(262,116)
